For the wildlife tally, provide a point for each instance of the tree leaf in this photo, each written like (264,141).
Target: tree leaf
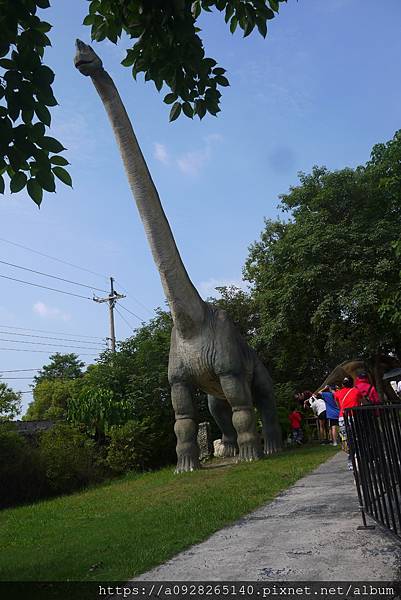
(188,110)
(262,26)
(170,98)
(233,24)
(50,144)
(35,191)
(46,180)
(2,185)
(6,63)
(43,76)
(221,80)
(63,175)
(43,114)
(59,160)
(175,111)
(274,5)
(18,182)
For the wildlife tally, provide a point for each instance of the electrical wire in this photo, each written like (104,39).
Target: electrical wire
(46,344)
(9,378)
(120,285)
(46,337)
(124,319)
(45,287)
(3,262)
(18,370)
(54,332)
(53,258)
(131,313)
(43,351)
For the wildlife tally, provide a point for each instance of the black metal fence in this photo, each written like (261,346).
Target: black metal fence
(374,439)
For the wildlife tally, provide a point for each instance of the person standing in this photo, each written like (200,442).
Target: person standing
(295,419)
(366,388)
(347,397)
(332,412)
(318,406)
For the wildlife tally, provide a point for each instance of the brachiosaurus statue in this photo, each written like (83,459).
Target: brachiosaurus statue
(206,349)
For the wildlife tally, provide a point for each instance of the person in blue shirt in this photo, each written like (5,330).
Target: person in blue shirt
(332,412)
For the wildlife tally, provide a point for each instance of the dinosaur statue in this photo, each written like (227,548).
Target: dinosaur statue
(375,371)
(206,350)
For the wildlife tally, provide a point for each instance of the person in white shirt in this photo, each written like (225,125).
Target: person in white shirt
(318,406)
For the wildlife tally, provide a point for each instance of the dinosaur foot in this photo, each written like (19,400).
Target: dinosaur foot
(187,463)
(273,442)
(248,452)
(228,449)
(272,447)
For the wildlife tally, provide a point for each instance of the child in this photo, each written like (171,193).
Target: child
(295,419)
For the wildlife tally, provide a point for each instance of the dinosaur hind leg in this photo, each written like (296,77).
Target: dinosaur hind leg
(265,402)
(238,394)
(222,413)
(185,428)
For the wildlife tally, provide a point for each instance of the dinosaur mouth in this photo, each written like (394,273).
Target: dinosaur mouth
(79,63)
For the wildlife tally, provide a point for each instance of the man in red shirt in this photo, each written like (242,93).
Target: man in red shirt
(347,397)
(295,419)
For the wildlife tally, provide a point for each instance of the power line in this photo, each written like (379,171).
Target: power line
(46,288)
(46,344)
(45,337)
(18,370)
(48,331)
(53,258)
(133,297)
(52,276)
(9,378)
(124,319)
(43,351)
(132,313)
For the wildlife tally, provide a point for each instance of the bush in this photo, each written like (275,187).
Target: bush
(68,458)
(139,446)
(21,477)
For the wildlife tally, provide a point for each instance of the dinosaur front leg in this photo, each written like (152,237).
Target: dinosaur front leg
(222,413)
(185,428)
(264,400)
(237,392)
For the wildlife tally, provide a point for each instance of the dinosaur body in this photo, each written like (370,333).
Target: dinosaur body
(206,349)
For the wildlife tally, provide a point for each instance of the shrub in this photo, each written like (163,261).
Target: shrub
(21,477)
(68,458)
(139,446)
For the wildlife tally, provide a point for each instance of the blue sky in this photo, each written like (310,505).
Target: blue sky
(322,88)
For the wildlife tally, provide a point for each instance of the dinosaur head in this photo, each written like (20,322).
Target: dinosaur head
(86,60)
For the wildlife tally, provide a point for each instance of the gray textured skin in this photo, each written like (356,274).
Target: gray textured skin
(206,351)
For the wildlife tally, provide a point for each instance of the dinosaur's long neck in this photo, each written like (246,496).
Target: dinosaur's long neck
(186,305)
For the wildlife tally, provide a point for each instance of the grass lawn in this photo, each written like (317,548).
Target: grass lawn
(132,524)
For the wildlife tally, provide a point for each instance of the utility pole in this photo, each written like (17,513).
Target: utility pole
(111,299)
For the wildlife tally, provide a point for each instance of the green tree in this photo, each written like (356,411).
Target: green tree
(51,398)
(61,366)
(158,29)
(322,278)
(10,403)
(54,385)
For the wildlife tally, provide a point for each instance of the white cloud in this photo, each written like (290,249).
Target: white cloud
(213,137)
(191,163)
(161,154)
(208,288)
(50,312)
